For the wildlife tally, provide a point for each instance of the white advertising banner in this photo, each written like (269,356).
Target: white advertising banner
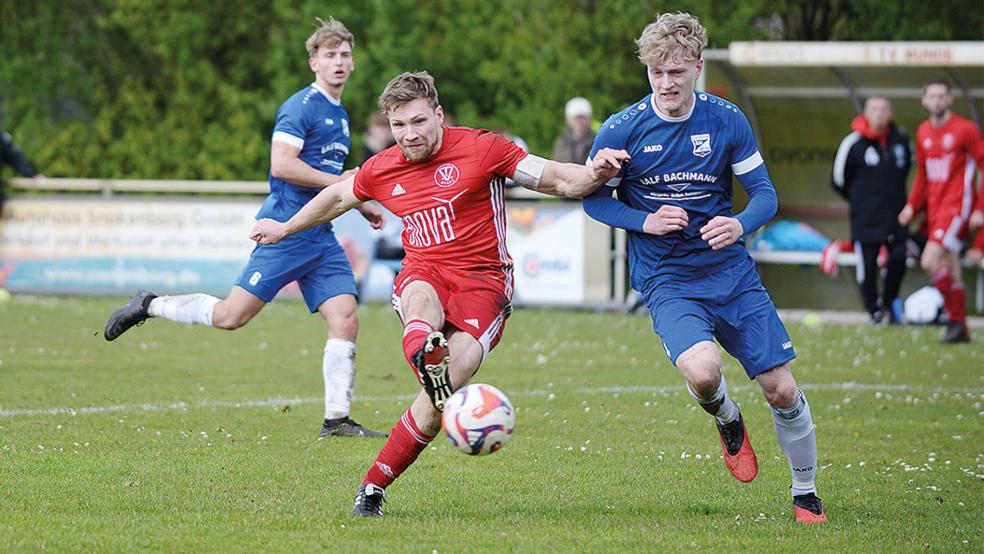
(173,245)
(819,54)
(547,246)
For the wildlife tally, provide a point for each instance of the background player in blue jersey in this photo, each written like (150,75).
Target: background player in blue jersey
(309,146)
(686,253)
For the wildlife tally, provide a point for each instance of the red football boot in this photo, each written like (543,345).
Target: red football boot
(738,453)
(432,361)
(808,509)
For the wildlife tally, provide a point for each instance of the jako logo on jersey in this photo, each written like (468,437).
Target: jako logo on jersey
(649,148)
(398,190)
(927,143)
(345,128)
(702,144)
(446,175)
(329,121)
(938,169)
(473,322)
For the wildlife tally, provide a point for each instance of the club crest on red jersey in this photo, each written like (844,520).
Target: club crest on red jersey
(446,175)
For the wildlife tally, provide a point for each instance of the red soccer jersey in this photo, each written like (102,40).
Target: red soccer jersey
(944,182)
(451,205)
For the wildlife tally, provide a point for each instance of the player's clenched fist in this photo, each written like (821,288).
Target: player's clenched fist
(721,231)
(607,163)
(666,220)
(374,215)
(268,231)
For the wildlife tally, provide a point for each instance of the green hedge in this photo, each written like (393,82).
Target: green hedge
(188,89)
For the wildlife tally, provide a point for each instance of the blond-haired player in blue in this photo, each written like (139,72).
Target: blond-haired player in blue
(310,142)
(686,253)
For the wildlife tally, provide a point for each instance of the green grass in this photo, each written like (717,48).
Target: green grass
(604,457)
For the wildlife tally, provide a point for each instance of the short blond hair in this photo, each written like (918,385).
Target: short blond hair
(407,87)
(329,34)
(673,36)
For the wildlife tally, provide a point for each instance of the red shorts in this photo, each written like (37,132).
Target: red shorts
(477,303)
(947,229)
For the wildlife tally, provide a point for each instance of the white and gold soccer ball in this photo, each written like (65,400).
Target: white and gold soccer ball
(478,419)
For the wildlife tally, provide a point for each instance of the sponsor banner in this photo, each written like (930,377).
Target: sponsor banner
(547,246)
(59,245)
(51,244)
(174,245)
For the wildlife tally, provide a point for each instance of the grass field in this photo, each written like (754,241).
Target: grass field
(191,439)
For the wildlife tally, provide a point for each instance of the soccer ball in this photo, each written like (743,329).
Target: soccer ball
(478,419)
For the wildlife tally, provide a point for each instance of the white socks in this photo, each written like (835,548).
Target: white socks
(721,406)
(339,371)
(798,439)
(186,308)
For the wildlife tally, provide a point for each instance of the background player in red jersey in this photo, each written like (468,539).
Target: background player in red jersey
(454,292)
(976,252)
(946,147)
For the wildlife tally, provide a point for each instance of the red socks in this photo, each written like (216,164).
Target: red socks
(414,333)
(954,295)
(956,304)
(406,440)
(405,443)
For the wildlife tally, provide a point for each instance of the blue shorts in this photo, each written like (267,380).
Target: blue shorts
(731,306)
(320,268)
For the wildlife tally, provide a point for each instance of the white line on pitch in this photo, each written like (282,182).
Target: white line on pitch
(278,401)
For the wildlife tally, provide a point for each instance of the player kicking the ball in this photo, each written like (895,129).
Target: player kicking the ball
(686,253)
(454,292)
(309,147)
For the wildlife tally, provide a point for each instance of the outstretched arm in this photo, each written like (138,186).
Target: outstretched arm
(566,179)
(326,206)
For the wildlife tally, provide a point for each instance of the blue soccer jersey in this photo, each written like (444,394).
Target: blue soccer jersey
(319,125)
(686,161)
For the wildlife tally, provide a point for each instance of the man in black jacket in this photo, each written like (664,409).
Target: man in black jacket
(870,172)
(9,154)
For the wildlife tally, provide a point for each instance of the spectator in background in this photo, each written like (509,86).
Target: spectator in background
(870,170)
(575,144)
(378,136)
(11,155)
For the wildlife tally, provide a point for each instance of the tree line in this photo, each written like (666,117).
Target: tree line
(185,89)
